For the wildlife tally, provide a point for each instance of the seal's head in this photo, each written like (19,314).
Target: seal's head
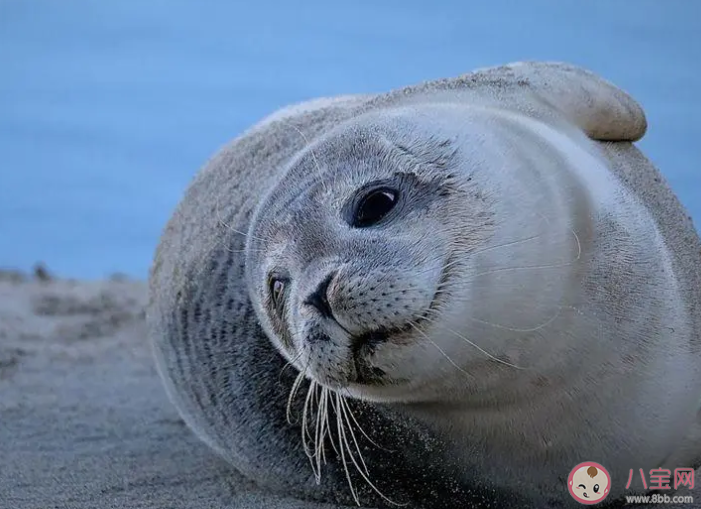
(358,259)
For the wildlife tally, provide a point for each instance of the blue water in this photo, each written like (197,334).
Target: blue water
(108,107)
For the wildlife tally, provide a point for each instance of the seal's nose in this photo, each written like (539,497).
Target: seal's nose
(319,299)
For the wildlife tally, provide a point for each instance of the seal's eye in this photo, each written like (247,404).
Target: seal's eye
(596,488)
(372,207)
(277,290)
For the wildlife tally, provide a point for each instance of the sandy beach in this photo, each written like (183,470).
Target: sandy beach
(85,422)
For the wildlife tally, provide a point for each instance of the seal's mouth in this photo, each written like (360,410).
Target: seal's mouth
(364,345)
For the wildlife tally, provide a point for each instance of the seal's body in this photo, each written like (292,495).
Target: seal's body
(483,274)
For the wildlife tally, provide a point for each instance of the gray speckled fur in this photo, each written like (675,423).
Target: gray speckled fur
(221,371)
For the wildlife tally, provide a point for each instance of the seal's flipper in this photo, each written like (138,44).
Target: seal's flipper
(602,110)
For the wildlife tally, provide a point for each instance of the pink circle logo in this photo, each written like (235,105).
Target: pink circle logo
(589,483)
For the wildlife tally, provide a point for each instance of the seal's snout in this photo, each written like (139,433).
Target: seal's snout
(319,299)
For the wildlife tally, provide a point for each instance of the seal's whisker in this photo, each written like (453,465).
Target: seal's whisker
(574,234)
(501,269)
(343,404)
(324,418)
(513,243)
(438,348)
(339,429)
(505,244)
(305,414)
(291,362)
(311,150)
(319,431)
(362,471)
(229,227)
(293,392)
(534,328)
(239,231)
(480,251)
(537,267)
(240,251)
(516,269)
(473,344)
(350,411)
(328,425)
(306,435)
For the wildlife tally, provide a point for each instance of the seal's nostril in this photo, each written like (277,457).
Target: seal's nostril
(319,299)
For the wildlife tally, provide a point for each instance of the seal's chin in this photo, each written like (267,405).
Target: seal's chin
(359,371)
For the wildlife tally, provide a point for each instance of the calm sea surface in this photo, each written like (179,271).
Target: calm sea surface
(108,107)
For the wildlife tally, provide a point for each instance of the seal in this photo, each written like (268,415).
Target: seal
(447,295)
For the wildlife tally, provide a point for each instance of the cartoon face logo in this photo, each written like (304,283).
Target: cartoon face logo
(589,483)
